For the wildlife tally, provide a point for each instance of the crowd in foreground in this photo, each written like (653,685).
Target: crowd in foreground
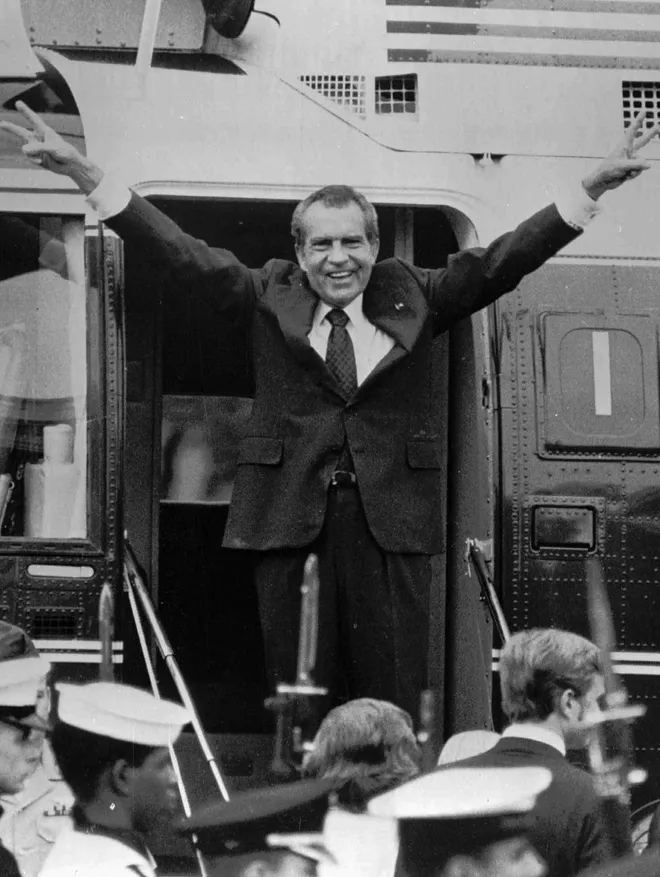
(86,780)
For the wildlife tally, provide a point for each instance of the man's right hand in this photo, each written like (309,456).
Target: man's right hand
(44,147)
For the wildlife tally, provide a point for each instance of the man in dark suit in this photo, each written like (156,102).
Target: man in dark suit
(466,823)
(342,453)
(551,681)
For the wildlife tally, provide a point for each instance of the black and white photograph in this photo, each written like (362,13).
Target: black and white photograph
(330,438)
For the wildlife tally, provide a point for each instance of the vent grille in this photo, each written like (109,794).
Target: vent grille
(396,95)
(638,96)
(345,90)
(56,624)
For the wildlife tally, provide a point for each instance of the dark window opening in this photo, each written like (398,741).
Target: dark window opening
(168,60)
(396,94)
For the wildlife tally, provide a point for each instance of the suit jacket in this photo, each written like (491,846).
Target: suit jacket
(300,418)
(568,832)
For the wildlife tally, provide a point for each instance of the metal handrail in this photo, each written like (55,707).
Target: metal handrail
(134,585)
(154,687)
(474,554)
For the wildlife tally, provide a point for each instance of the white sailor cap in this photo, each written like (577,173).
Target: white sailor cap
(121,712)
(464,793)
(20,680)
(461,810)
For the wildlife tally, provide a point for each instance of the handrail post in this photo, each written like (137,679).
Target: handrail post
(133,582)
(474,554)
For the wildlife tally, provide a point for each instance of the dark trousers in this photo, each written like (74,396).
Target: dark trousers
(373,611)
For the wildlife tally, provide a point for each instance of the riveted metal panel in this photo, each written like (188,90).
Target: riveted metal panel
(545,585)
(116,25)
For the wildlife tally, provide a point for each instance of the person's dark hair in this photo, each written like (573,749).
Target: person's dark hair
(335,196)
(83,757)
(368,742)
(538,665)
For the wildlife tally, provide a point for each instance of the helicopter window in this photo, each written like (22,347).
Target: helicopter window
(44,101)
(40,95)
(50,96)
(43,377)
(396,95)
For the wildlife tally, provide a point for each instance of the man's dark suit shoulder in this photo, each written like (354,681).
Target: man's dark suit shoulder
(569,832)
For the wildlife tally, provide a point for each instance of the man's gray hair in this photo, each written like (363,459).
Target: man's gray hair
(336,196)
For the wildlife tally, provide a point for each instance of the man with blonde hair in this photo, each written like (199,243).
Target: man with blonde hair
(543,669)
(368,743)
(551,681)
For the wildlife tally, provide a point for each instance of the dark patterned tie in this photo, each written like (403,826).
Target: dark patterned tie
(340,356)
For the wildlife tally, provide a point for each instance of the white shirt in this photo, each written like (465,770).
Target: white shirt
(529,731)
(369,343)
(76,854)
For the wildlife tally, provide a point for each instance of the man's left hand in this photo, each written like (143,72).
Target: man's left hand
(622,163)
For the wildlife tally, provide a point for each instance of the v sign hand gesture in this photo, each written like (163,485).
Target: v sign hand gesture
(44,147)
(622,163)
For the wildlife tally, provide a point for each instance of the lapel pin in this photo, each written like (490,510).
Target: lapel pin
(398,306)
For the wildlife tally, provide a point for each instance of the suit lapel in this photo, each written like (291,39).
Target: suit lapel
(295,305)
(396,308)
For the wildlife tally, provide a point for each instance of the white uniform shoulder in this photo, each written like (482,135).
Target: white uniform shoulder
(76,853)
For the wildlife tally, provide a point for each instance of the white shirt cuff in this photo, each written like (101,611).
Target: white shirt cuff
(110,197)
(577,209)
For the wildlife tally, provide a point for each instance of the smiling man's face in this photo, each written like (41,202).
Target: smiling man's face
(335,252)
